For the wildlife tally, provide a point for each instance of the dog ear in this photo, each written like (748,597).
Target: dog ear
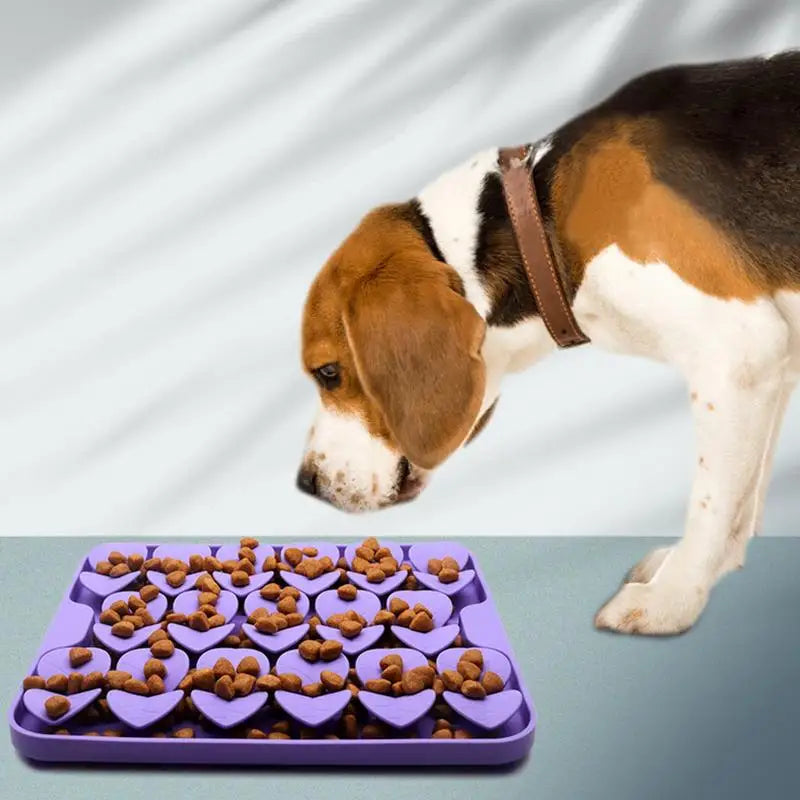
(416,344)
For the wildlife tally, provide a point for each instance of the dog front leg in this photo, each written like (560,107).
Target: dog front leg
(735,402)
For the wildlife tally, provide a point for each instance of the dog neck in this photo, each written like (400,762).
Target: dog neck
(466,214)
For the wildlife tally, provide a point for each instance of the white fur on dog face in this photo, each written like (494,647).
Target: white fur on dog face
(355,470)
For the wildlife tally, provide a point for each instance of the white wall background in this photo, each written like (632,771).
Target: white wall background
(172,175)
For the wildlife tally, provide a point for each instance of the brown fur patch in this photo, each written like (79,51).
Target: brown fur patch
(407,342)
(604,193)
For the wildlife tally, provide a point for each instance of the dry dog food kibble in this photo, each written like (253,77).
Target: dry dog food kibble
(154,666)
(249,666)
(332,681)
(473,689)
(57,683)
(330,650)
(290,682)
(176,578)
(149,592)
(347,592)
(56,706)
(240,577)
(162,648)
(268,683)
(452,680)
(223,667)
(124,629)
(474,656)
(492,683)
(376,563)
(446,569)
(79,656)
(135,686)
(203,679)
(224,688)
(243,684)
(271,591)
(33,682)
(93,680)
(116,678)
(310,650)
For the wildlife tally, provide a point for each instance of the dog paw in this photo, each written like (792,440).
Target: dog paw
(643,571)
(652,609)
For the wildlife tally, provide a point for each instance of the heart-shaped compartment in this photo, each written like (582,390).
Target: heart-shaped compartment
(188,602)
(159,579)
(493,660)
(138,711)
(254,600)
(227,713)
(357,644)
(419,554)
(260,578)
(489,713)
(34,700)
(198,641)
(102,585)
(116,643)
(399,712)
(309,672)
(56,662)
(100,551)
(230,552)
(235,656)
(465,578)
(493,710)
(276,642)
(365,603)
(312,587)
(313,711)
(384,587)
(388,584)
(177,665)
(256,582)
(395,548)
(183,552)
(157,607)
(441,607)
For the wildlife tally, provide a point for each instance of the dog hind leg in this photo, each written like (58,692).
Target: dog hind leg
(753,511)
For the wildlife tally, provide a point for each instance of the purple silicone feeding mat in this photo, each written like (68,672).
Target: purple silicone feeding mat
(194,726)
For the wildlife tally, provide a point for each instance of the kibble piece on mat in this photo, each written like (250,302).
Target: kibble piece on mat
(79,656)
(56,706)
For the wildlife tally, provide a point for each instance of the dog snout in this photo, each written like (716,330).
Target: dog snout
(307,480)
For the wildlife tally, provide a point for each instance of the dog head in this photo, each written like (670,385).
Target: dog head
(394,348)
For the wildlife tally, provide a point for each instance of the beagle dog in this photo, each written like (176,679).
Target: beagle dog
(672,211)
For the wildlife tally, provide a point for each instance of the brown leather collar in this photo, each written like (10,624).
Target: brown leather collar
(526,218)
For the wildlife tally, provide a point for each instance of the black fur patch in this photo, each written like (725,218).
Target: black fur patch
(497,259)
(413,213)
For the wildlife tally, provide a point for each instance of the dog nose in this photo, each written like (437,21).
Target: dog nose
(307,480)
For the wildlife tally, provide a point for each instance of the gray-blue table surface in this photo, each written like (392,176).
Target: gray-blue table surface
(711,714)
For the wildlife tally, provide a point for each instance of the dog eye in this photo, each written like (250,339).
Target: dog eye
(328,376)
